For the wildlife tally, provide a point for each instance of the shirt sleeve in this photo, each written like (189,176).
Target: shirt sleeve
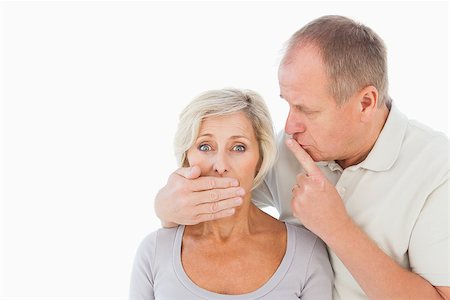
(319,276)
(141,284)
(429,244)
(262,197)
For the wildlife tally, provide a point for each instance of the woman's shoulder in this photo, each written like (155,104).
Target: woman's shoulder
(162,238)
(302,235)
(311,251)
(306,242)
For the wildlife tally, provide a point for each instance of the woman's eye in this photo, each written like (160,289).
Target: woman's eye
(239,148)
(204,147)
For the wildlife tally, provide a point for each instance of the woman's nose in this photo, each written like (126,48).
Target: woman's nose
(220,164)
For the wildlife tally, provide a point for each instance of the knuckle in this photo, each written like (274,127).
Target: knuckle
(209,217)
(303,187)
(303,177)
(211,183)
(214,207)
(188,185)
(213,195)
(296,189)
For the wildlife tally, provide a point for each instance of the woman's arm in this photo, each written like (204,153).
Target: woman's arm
(141,284)
(319,278)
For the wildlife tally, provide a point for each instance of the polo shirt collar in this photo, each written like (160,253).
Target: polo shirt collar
(388,145)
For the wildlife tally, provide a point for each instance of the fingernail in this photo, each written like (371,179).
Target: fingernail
(240,192)
(234,183)
(238,201)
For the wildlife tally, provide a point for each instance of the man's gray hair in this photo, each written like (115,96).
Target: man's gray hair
(353,54)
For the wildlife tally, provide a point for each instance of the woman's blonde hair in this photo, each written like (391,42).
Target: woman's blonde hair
(224,102)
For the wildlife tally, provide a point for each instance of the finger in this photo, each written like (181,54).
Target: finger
(215,216)
(189,172)
(207,183)
(295,207)
(302,179)
(306,182)
(217,195)
(214,207)
(303,158)
(295,188)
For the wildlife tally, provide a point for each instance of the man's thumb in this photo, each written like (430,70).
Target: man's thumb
(189,172)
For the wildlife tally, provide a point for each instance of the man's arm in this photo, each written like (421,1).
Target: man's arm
(378,275)
(189,199)
(318,205)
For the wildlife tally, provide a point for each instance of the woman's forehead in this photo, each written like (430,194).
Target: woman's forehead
(231,125)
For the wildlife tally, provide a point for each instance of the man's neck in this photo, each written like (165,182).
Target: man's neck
(373,132)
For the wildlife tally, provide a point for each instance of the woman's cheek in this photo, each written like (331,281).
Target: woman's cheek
(248,172)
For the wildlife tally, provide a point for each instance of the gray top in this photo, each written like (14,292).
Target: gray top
(304,271)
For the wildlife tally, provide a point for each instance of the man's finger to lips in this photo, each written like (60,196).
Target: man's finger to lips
(303,157)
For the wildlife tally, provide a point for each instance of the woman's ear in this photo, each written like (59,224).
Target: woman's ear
(258,166)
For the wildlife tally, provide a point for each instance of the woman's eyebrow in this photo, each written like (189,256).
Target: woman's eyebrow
(234,137)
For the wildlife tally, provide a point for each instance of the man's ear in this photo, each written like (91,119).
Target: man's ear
(368,100)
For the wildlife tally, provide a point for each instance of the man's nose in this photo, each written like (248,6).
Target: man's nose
(294,124)
(220,164)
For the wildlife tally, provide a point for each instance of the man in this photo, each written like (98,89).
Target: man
(370,183)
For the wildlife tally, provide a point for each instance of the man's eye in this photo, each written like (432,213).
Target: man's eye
(204,147)
(239,148)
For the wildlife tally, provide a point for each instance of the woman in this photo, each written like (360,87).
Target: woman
(249,255)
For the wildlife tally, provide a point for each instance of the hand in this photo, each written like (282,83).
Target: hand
(188,199)
(315,201)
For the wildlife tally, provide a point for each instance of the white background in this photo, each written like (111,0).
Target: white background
(91,92)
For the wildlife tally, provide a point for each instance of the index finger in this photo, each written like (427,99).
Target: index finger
(204,183)
(303,158)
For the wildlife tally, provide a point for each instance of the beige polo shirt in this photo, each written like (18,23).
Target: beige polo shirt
(399,196)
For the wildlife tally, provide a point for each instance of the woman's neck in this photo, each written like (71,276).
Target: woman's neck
(242,223)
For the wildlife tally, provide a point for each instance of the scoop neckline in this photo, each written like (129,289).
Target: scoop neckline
(270,284)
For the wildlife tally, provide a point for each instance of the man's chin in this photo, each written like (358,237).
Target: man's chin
(312,151)
(314,155)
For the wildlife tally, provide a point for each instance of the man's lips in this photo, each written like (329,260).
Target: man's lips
(302,144)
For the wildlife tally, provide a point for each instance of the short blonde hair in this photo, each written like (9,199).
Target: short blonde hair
(224,102)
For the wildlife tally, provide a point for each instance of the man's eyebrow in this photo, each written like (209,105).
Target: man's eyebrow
(298,106)
(302,107)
